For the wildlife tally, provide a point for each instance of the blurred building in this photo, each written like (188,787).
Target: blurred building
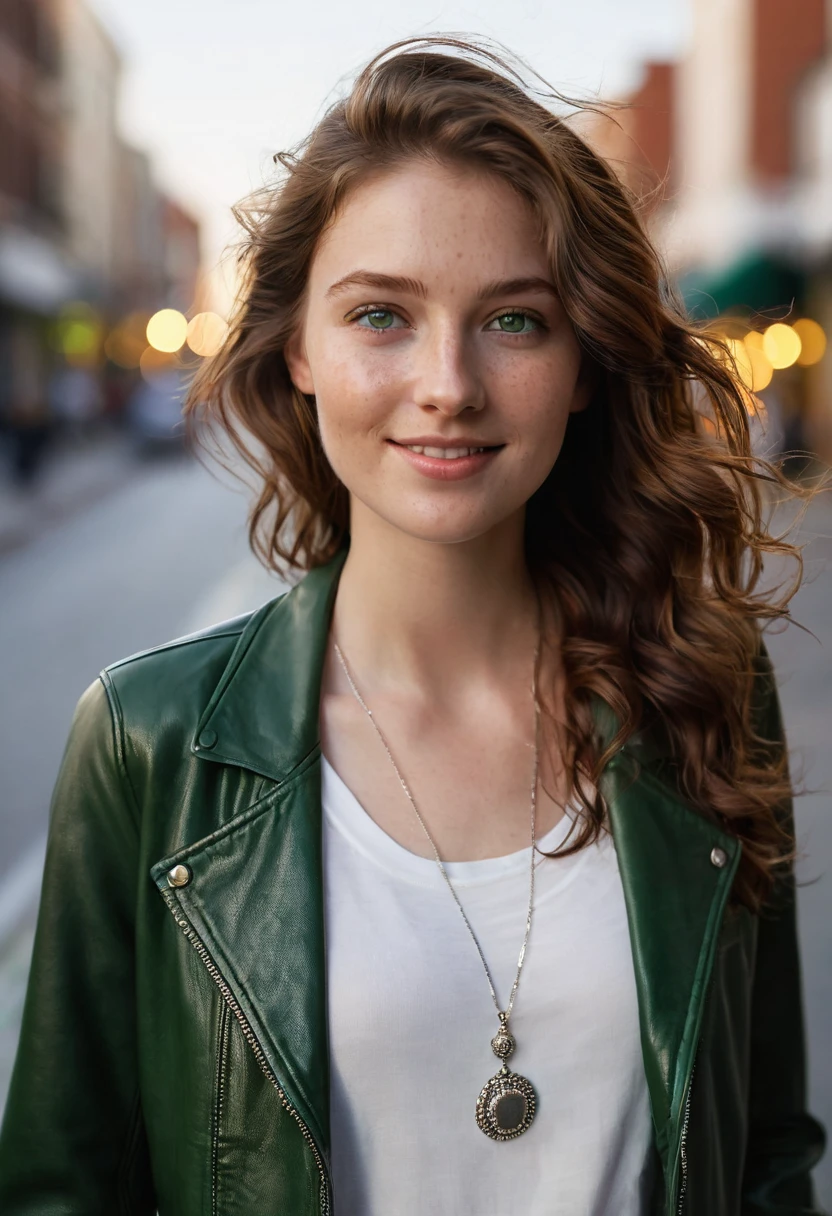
(36,277)
(737,147)
(90,247)
(140,239)
(731,150)
(814,207)
(182,257)
(639,139)
(91,81)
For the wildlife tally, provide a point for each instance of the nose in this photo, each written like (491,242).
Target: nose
(447,378)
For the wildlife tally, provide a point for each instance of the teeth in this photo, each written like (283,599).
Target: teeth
(442,453)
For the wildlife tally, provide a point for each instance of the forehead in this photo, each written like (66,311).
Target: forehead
(434,222)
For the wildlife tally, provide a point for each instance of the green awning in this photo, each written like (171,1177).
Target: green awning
(755,283)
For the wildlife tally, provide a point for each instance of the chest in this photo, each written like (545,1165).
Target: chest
(469,775)
(406,985)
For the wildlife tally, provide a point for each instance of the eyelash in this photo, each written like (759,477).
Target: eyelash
(540,324)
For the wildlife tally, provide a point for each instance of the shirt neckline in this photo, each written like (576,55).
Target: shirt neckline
(354,823)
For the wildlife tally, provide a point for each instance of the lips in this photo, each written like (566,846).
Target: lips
(444,459)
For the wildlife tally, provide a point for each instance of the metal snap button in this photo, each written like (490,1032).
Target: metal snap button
(179,876)
(718,858)
(208,738)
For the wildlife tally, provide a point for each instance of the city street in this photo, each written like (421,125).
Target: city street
(165,554)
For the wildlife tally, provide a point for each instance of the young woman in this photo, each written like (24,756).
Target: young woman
(296,953)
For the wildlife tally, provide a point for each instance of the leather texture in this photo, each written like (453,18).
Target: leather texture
(174,1055)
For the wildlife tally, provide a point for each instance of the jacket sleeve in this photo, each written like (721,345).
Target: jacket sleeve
(72,1141)
(785,1142)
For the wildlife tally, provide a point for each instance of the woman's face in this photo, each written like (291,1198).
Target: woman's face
(443,365)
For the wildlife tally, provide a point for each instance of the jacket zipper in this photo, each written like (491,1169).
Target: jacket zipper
(252,1040)
(683,1145)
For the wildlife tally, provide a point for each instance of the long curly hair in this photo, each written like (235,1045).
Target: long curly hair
(648,536)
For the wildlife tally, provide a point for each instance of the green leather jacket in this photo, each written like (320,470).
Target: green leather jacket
(174,1055)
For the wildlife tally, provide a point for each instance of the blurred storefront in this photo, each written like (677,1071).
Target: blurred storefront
(36,277)
(731,151)
(90,247)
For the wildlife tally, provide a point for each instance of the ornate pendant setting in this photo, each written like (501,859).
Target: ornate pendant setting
(507,1102)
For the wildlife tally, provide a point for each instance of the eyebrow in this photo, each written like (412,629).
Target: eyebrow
(385,282)
(394,282)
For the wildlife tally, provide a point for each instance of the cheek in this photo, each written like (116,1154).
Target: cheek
(353,402)
(352,384)
(536,394)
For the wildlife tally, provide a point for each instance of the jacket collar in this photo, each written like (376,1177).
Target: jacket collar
(263,716)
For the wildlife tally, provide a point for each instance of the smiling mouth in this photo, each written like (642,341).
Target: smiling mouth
(445,453)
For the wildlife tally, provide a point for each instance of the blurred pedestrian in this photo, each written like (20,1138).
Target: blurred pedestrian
(30,430)
(29,421)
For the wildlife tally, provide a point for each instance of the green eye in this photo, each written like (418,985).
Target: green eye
(516,323)
(379,318)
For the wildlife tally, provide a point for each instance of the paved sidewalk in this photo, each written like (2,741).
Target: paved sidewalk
(77,472)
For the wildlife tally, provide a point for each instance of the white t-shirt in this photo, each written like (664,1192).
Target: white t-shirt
(411,1020)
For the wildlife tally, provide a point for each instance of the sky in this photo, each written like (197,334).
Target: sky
(212,88)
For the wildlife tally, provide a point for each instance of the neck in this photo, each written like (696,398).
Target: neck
(422,613)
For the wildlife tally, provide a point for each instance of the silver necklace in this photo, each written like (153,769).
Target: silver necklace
(506,1103)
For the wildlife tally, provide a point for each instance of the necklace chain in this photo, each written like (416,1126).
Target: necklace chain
(503,1016)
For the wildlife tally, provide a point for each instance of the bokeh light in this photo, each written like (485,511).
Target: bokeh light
(761,369)
(740,355)
(206,333)
(79,338)
(812,341)
(167,330)
(781,345)
(79,334)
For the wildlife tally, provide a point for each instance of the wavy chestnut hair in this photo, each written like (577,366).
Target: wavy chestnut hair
(647,537)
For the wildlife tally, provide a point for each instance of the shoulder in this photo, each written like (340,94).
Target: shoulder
(161,692)
(197,656)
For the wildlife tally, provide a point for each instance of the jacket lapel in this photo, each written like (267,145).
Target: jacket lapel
(263,714)
(675,897)
(261,914)
(255,898)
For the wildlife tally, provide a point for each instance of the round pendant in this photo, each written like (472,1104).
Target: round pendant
(506,1105)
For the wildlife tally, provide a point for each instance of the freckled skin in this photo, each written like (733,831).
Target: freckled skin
(443,363)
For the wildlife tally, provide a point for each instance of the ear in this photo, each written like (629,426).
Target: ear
(294,352)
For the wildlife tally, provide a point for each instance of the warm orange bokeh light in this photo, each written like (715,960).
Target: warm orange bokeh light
(812,340)
(742,359)
(781,345)
(167,330)
(206,333)
(761,369)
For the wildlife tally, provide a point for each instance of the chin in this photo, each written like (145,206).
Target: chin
(446,529)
